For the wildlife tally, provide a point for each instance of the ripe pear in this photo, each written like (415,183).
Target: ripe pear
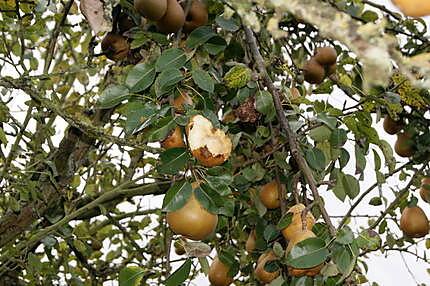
(197,16)
(181,100)
(174,140)
(192,220)
(115,47)
(391,126)
(250,242)
(326,56)
(151,9)
(218,273)
(404,146)
(413,8)
(414,222)
(313,72)
(296,225)
(425,189)
(260,273)
(269,195)
(298,237)
(330,69)
(173,19)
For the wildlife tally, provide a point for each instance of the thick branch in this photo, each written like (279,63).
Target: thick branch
(292,138)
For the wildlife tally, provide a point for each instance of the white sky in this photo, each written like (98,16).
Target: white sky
(386,271)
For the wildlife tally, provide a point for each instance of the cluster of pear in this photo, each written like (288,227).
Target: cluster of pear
(404,146)
(169,15)
(298,230)
(321,65)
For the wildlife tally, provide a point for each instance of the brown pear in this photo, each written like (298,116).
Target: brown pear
(392,126)
(313,72)
(326,56)
(151,9)
(269,195)
(115,47)
(174,18)
(297,272)
(330,69)
(218,273)
(425,189)
(260,273)
(192,220)
(296,225)
(404,146)
(250,242)
(173,140)
(197,16)
(414,222)
(181,100)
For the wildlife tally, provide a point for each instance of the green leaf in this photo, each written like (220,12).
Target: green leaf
(285,221)
(327,120)
(343,158)
(131,276)
(264,104)
(215,45)
(207,200)
(308,253)
(320,133)
(230,24)
(375,201)
(173,161)
(339,188)
(254,173)
(203,80)
(167,80)
(369,16)
(345,236)
(199,36)
(180,275)
(136,113)
(360,160)
(352,186)
(177,196)
(161,129)
(270,232)
(140,77)
(338,138)
(34,263)
(173,58)
(369,240)
(316,159)
(112,96)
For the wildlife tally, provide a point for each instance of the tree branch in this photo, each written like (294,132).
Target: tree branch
(292,138)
